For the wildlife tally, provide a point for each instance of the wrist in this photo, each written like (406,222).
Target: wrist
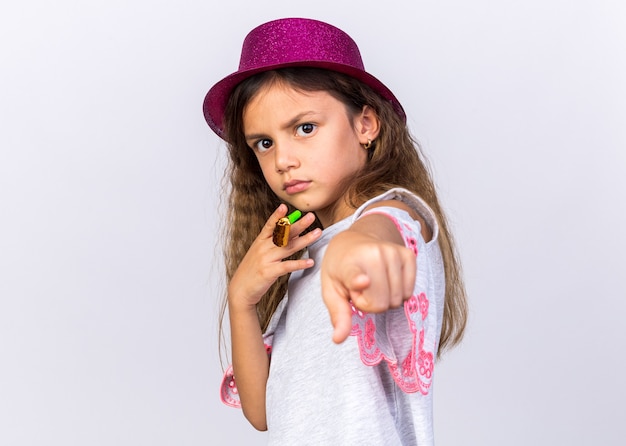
(240,305)
(242,314)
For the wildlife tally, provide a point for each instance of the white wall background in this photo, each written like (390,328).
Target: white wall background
(109,210)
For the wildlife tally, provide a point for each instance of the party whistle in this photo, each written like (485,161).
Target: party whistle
(281,230)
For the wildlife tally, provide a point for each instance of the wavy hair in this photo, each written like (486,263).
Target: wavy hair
(395,160)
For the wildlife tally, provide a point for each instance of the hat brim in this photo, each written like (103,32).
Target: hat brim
(216,99)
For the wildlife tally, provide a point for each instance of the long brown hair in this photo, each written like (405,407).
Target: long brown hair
(396,160)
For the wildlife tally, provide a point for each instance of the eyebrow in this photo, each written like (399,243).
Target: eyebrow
(297,118)
(285,126)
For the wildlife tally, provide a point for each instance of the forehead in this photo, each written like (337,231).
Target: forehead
(279,100)
(281,91)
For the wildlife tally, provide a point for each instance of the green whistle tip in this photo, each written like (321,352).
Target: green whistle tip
(294,216)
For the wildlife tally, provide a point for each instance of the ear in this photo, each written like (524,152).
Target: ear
(367,124)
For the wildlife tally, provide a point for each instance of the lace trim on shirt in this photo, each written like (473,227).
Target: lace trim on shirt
(228,390)
(411,363)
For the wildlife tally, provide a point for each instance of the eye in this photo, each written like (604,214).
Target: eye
(263,145)
(305,129)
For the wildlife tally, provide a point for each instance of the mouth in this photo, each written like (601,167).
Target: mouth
(295,186)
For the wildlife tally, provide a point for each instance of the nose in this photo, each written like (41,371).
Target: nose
(285,158)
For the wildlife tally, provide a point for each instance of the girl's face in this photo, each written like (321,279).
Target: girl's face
(307,144)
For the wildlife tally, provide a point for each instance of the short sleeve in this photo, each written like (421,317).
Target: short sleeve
(407,338)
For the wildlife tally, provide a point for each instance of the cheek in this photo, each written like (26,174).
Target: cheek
(269,173)
(353,155)
(267,169)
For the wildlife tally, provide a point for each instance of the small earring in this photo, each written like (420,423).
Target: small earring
(368,144)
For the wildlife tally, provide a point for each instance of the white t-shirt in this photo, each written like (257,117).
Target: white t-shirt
(376,387)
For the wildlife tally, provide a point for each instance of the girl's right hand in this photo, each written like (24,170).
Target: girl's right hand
(264,262)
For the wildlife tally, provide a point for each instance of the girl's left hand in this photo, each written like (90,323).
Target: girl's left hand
(374,274)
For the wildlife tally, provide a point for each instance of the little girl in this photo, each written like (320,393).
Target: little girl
(334,335)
